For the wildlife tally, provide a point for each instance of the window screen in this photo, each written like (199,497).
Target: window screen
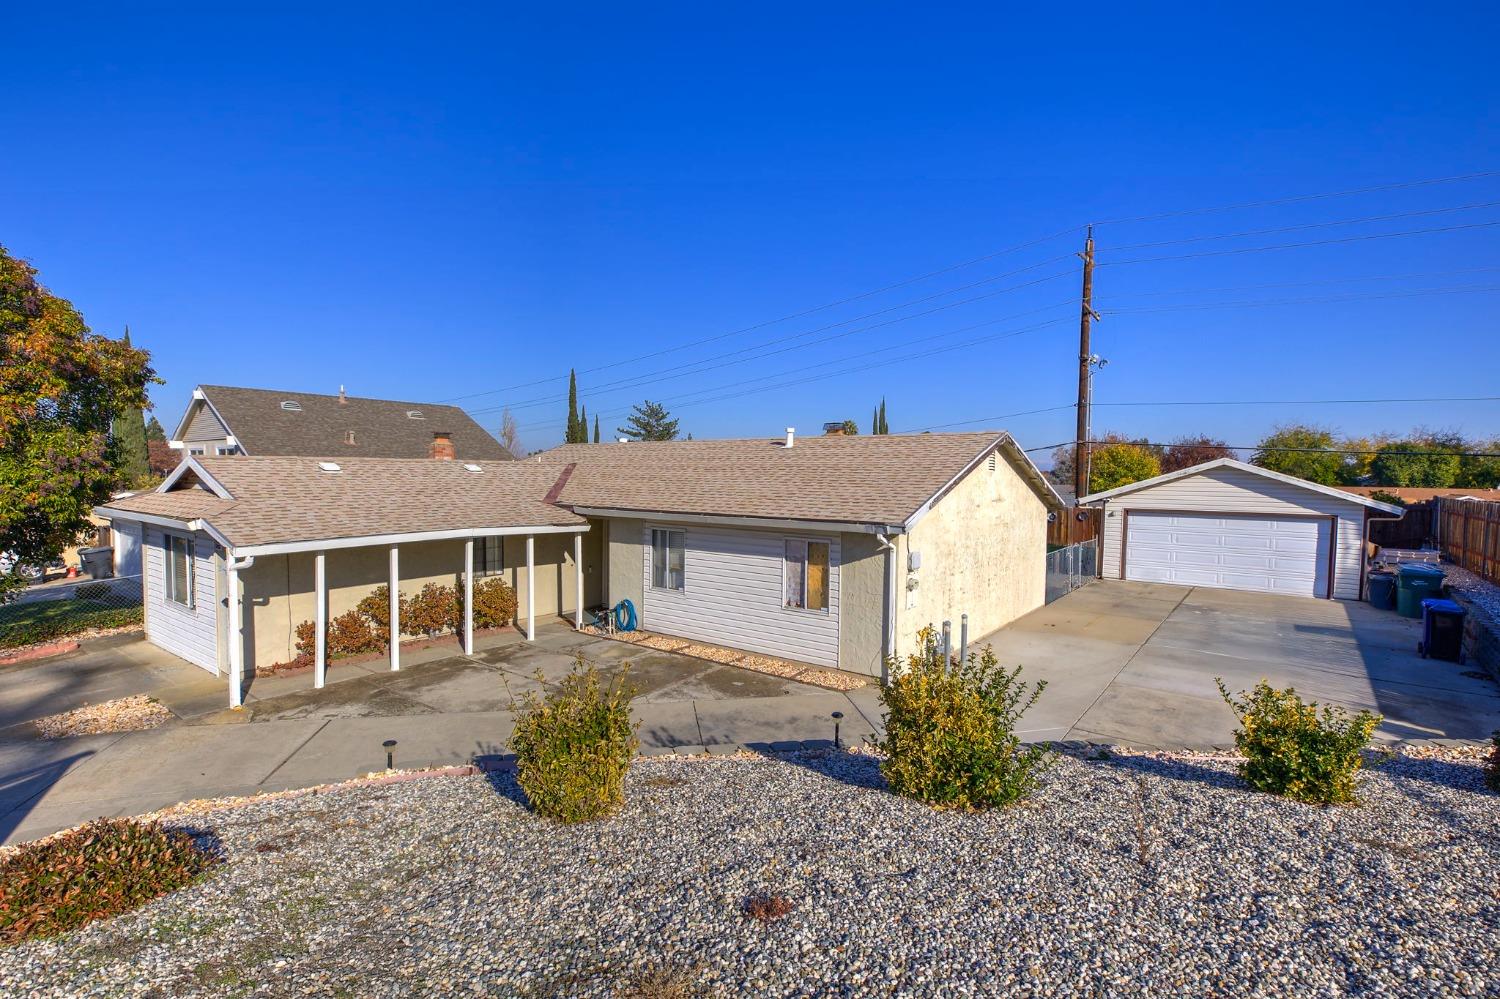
(489,556)
(667,559)
(180,570)
(806,574)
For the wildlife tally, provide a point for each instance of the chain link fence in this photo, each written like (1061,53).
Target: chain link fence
(1070,567)
(57,608)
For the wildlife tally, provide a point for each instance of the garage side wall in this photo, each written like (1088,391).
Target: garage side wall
(983,548)
(1230,490)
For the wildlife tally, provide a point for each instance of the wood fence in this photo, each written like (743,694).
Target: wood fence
(1469,532)
(1414,530)
(1075,524)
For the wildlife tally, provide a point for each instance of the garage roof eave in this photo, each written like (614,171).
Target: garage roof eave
(1183,473)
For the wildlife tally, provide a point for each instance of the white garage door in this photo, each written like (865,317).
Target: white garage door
(1233,551)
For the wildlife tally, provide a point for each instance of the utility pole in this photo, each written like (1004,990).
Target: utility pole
(1085,359)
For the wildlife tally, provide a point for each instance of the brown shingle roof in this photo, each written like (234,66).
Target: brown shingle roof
(283,499)
(382,428)
(881,479)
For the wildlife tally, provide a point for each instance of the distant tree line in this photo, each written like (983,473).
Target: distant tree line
(1420,458)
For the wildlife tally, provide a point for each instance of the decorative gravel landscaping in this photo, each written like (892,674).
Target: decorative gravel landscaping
(1126,875)
(124,714)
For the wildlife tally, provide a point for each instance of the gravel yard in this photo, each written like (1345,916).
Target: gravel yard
(1143,875)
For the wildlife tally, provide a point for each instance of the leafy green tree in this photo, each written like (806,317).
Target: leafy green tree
(1119,464)
(60,386)
(1480,473)
(1306,452)
(851,429)
(154,431)
(1428,461)
(650,421)
(596,428)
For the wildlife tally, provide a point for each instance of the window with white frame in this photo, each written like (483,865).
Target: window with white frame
(489,556)
(667,559)
(805,574)
(179,569)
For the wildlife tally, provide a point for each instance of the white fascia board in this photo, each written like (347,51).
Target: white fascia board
(773,523)
(190,463)
(156,520)
(176,445)
(373,540)
(1242,466)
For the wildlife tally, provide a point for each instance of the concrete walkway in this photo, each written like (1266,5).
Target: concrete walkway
(1134,664)
(441,709)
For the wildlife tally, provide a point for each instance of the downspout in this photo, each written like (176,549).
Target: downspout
(888,631)
(1364,550)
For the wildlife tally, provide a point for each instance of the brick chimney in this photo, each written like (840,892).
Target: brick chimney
(442,447)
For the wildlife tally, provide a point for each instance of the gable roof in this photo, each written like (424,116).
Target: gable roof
(885,479)
(1242,466)
(251,501)
(321,423)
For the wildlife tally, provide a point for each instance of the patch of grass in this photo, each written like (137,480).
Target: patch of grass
(44,620)
(658,983)
(99,870)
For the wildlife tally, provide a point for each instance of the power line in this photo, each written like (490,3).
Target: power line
(1292,246)
(1320,281)
(1304,197)
(1298,402)
(703,364)
(795,315)
(1306,225)
(1320,450)
(1316,300)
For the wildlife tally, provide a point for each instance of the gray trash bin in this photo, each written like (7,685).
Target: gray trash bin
(98,563)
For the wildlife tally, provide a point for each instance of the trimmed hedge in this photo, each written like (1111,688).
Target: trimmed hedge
(45,620)
(99,870)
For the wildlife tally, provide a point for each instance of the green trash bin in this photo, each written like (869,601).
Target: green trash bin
(1414,583)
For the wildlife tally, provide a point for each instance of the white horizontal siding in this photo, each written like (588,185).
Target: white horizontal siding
(1233,490)
(1240,551)
(189,632)
(732,595)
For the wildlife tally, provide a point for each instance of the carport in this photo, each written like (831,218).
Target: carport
(1231,525)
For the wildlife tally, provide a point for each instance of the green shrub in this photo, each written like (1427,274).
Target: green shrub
(45,620)
(494,603)
(950,736)
(1292,750)
(99,870)
(1492,765)
(574,746)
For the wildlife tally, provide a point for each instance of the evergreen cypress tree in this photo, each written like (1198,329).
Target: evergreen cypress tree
(128,430)
(571,437)
(875,420)
(596,428)
(583,425)
(885,427)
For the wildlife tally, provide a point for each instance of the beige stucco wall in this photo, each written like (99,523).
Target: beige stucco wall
(278,589)
(624,559)
(861,603)
(983,548)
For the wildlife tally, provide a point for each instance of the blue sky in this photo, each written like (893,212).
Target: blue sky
(436,203)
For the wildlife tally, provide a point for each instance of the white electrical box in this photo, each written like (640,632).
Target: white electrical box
(913,561)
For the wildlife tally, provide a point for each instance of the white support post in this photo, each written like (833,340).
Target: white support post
(578,580)
(320,618)
(530,587)
(236,634)
(469,596)
(395,588)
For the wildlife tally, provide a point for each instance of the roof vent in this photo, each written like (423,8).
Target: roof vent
(791,436)
(329,466)
(415,414)
(468,467)
(292,406)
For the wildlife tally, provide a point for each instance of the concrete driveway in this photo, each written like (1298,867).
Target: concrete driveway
(1134,663)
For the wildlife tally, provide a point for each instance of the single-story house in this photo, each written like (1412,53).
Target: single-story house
(1229,524)
(831,550)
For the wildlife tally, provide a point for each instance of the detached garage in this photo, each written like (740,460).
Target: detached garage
(1236,526)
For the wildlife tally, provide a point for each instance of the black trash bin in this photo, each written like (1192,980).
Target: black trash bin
(1442,630)
(98,563)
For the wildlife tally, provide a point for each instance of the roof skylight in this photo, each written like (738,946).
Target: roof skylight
(329,466)
(470,467)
